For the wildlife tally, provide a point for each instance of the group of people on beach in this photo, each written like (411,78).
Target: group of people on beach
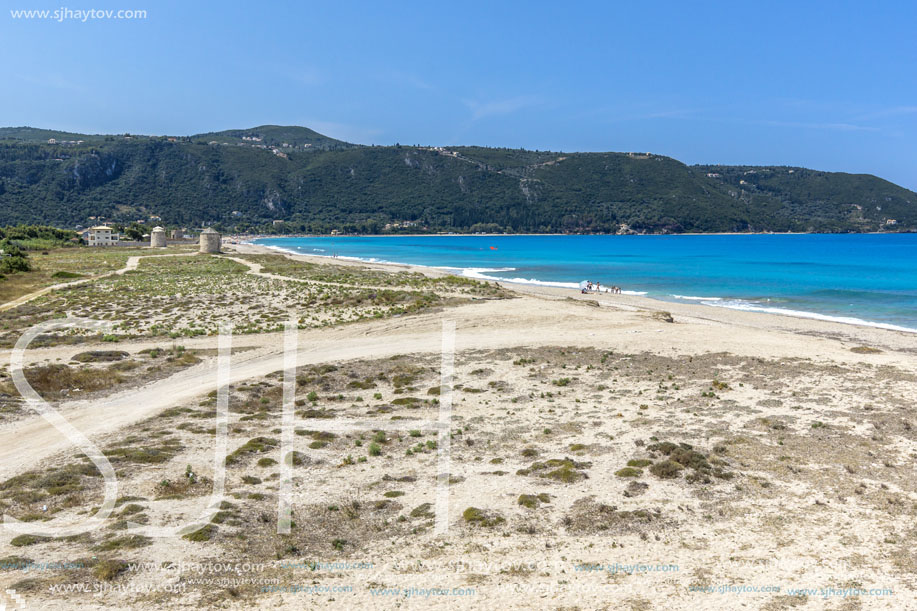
(596,287)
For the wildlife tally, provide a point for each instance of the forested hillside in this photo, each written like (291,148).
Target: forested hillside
(245,179)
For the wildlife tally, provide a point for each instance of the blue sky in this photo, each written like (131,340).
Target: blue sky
(828,85)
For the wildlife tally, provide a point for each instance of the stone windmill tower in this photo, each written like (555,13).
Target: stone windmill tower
(158,238)
(210,241)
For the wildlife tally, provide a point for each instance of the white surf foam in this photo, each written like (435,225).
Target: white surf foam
(692,298)
(482,273)
(847,320)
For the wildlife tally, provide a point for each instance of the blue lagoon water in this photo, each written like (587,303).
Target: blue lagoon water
(855,278)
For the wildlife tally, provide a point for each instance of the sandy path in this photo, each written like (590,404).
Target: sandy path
(255,270)
(26,442)
(131,265)
(525,321)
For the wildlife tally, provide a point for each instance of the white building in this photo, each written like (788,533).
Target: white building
(100,236)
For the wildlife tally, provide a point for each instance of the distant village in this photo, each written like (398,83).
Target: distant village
(104,232)
(251,141)
(100,236)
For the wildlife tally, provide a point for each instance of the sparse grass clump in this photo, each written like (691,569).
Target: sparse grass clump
(666,469)
(127,542)
(107,570)
(564,470)
(663,316)
(131,508)
(423,511)
(100,356)
(316,413)
(410,402)
(130,453)
(295,459)
(34,486)
(26,540)
(479,517)
(532,501)
(682,457)
(586,516)
(258,445)
(202,535)
(628,472)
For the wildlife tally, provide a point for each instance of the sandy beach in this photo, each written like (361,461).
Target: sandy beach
(807,326)
(600,452)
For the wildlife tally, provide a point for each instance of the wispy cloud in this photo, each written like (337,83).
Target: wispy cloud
(841,127)
(678,113)
(895,111)
(306,75)
(52,80)
(300,74)
(396,77)
(480,110)
(675,113)
(638,111)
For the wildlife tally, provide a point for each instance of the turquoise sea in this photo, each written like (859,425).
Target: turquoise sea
(854,278)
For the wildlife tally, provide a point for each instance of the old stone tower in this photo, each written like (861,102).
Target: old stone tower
(210,241)
(158,238)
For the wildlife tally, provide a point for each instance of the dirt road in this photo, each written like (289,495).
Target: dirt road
(524,321)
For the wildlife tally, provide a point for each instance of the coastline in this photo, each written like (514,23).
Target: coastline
(865,334)
(249,237)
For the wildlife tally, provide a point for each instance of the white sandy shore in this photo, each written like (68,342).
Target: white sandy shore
(891,339)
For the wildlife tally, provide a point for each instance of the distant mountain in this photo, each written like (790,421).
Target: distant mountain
(247,178)
(32,134)
(274,136)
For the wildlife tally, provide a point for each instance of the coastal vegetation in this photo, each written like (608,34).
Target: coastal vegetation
(49,264)
(15,242)
(141,302)
(679,480)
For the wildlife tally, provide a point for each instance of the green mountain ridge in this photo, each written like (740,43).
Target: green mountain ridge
(245,179)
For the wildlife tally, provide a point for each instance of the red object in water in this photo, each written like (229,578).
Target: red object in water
(493,248)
